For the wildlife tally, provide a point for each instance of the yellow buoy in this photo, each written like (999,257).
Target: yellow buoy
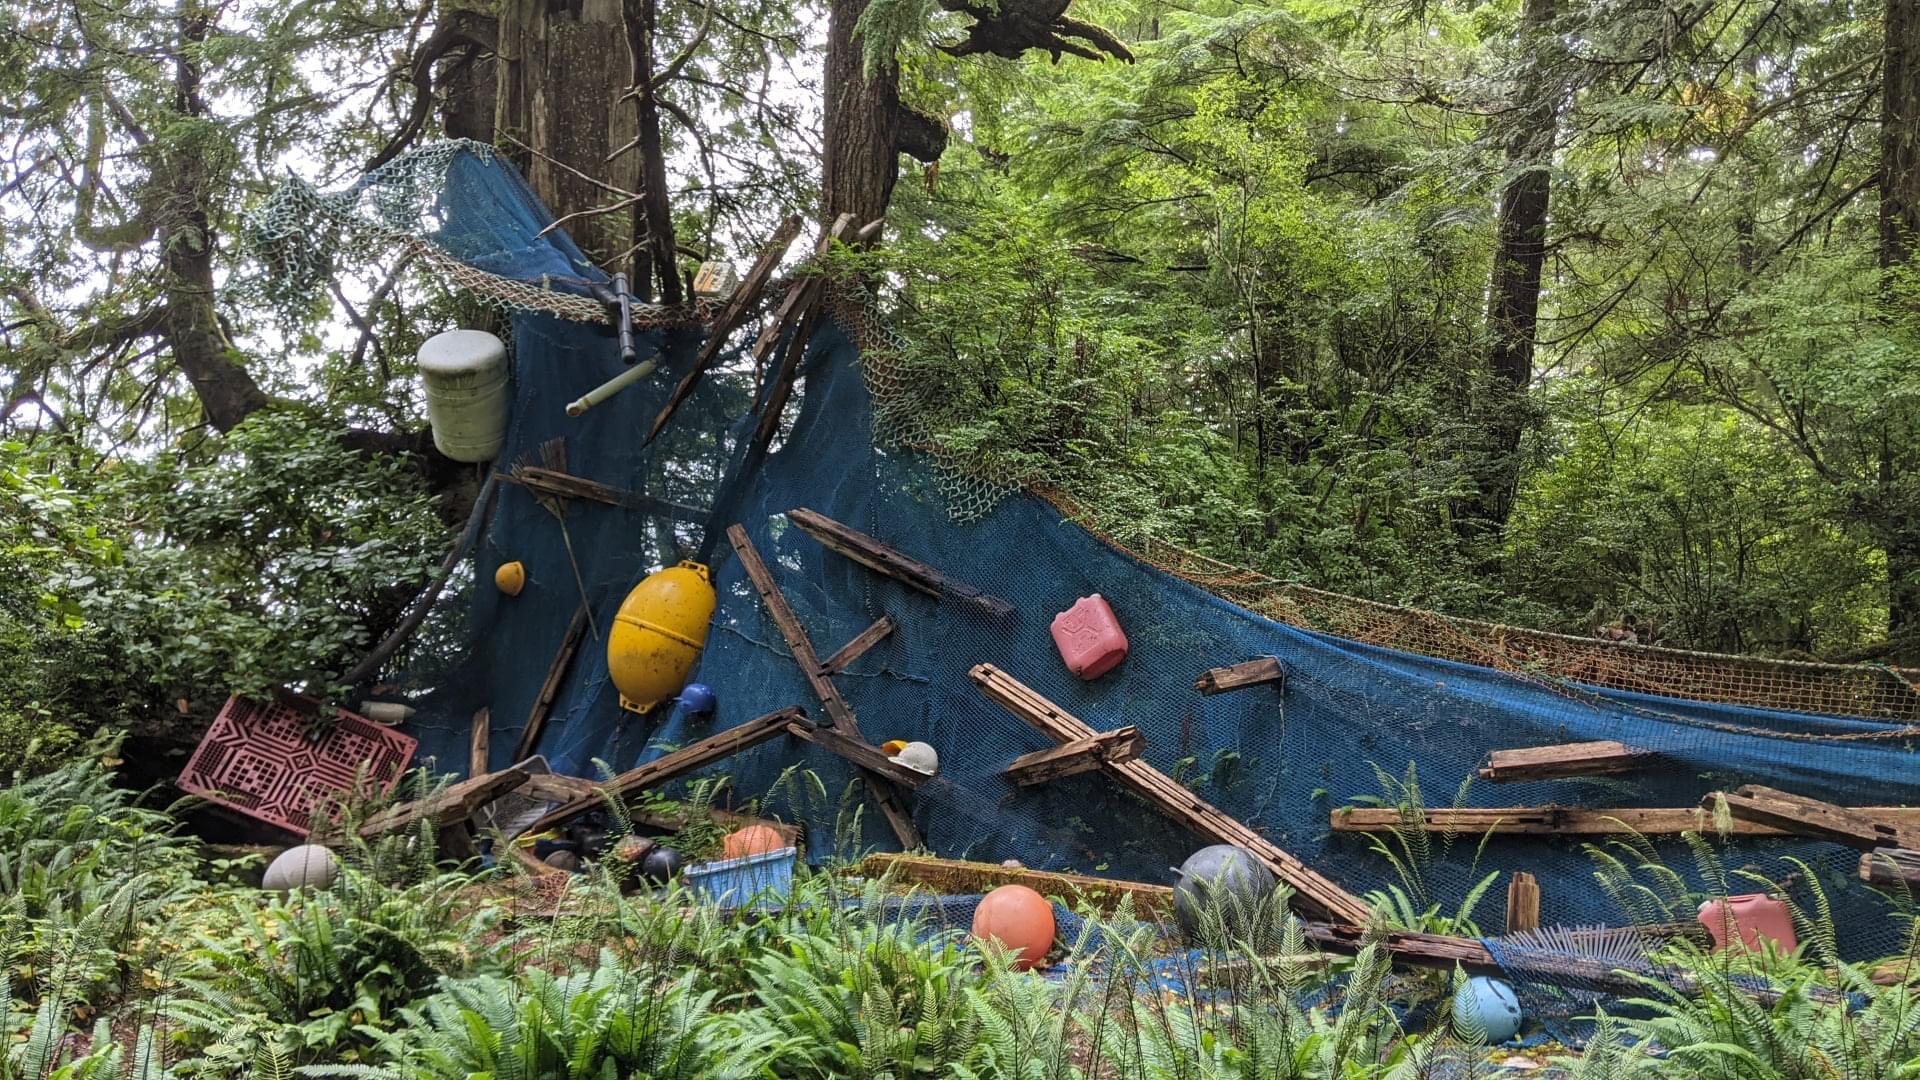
(658,634)
(510,578)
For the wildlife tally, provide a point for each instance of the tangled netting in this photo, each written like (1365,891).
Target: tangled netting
(1377,700)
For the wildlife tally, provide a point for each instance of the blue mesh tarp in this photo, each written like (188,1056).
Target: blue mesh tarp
(1281,761)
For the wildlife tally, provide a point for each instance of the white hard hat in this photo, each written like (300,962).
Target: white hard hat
(919,757)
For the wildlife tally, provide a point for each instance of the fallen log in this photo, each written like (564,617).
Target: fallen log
(1078,756)
(1263,671)
(1602,758)
(885,559)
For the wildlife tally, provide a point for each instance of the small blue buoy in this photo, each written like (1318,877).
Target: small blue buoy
(698,700)
(1488,1004)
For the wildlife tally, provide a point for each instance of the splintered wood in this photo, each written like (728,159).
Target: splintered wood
(1523,902)
(1578,821)
(1264,671)
(1317,893)
(1801,816)
(1565,759)
(885,559)
(1078,756)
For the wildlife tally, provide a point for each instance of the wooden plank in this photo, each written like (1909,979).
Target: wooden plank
(782,386)
(884,559)
(1311,889)
(451,805)
(568,486)
(1803,816)
(742,301)
(853,650)
(870,758)
(682,761)
(1078,756)
(1600,758)
(1262,671)
(550,688)
(1891,867)
(781,612)
(477,747)
(956,876)
(1523,902)
(1552,820)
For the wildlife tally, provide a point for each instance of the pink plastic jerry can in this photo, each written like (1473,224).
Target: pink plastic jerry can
(1089,637)
(1755,916)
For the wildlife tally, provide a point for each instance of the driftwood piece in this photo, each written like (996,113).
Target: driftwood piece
(841,714)
(884,559)
(1891,868)
(550,688)
(855,649)
(477,748)
(1257,672)
(1803,816)
(369,666)
(867,757)
(450,806)
(1564,759)
(685,760)
(565,485)
(1523,902)
(742,301)
(1576,821)
(1078,756)
(1314,891)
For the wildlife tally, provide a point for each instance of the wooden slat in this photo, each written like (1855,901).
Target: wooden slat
(1313,890)
(1523,902)
(1258,672)
(1577,821)
(885,559)
(855,649)
(957,876)
(477,747)
(451,805)
(1078,756)
(1802,816)
(685,760)
(1564,759)
(867,757)
(550,688)
(568,486)
(743,299)
(1891,868)
(781,612)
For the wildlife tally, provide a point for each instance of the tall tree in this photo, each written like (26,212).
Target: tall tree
(1899,234)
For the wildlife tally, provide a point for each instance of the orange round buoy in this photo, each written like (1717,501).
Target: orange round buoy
(1019,919)
(510,578)
(752,840)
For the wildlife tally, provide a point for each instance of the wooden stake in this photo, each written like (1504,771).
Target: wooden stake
(477,749)
(1565,759)
(1078,756)
(1261,672)
(1523,903)
(550,689)
(853,650)
(883,559)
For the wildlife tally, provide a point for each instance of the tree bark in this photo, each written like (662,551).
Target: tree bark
(653,226)
(866,126)
(1899,228)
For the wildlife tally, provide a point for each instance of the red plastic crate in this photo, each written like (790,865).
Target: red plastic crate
(256,759)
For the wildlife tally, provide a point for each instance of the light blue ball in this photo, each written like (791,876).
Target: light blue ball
(1492,1007)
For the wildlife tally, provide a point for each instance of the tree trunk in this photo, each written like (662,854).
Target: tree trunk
(866,126)
(1520,254)
(1899,228)
(653,227)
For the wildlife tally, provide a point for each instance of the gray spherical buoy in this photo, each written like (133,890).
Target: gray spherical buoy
(309,866)
(660,864)
(1224,875)
(1486,1008)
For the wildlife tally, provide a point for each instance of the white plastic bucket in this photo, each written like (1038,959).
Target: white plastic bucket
(465,374)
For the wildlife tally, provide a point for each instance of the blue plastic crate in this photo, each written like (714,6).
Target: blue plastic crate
(763,880)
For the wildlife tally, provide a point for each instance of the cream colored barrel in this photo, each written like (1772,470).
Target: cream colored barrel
(465,375)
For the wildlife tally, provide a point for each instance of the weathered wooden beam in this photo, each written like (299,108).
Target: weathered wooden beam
(1078,756)
(453,804)
(742,301)
(1891,867)
(1576,821)
(867,757)
(550,687)
(1564,759)
(1311,889)
(841,714)
(1523,902)
(1803,816)
(955,876)
(477,747)
(568,486)
(855,649)
(884,559)
(682,761)
(1257,672)
(781,388)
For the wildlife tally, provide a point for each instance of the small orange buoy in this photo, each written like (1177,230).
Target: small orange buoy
(752,840)
(1019,919)
(510,578)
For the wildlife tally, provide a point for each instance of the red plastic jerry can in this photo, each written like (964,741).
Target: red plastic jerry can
(1755,916)
(1089,637)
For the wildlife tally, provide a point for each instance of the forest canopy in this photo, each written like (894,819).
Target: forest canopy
(1596,317)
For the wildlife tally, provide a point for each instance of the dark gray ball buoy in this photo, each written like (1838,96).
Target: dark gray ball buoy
(309,866)
(1232,874)
(660,864)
